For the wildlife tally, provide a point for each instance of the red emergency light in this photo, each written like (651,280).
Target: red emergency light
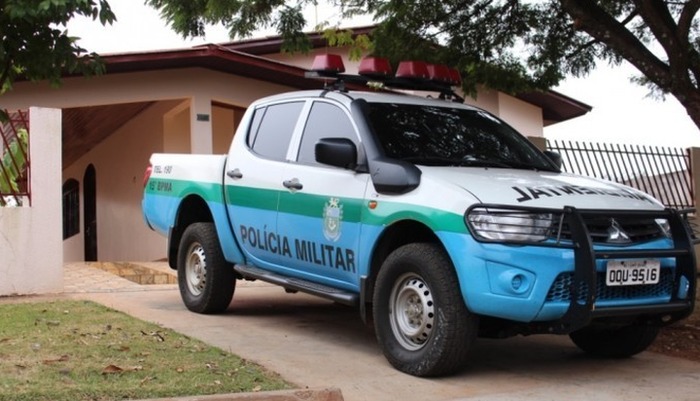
(412,70)
(455,77)
(375,67)
(328,63)
(439,73)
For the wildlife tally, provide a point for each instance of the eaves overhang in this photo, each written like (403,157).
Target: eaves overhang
(214,57)
(555,106)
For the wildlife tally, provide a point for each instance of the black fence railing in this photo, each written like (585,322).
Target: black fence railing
(662,172)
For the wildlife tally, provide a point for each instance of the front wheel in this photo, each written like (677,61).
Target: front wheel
(205,279)
(421,321)
(615,342)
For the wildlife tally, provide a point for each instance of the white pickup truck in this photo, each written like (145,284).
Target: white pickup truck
(435,219)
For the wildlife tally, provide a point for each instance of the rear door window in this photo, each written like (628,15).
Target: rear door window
(271,137)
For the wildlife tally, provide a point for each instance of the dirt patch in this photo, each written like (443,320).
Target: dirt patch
(681,339)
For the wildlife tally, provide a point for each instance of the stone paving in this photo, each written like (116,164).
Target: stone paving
(85,277)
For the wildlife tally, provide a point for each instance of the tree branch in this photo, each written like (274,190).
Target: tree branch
(661,23)
(606,29)
(685,22)
(586,45)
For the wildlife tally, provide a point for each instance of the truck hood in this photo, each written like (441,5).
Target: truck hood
(541,188)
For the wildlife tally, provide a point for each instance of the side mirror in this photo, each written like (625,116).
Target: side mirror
(338,152)
(554,157)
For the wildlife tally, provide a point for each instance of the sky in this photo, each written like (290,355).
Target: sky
(622,111)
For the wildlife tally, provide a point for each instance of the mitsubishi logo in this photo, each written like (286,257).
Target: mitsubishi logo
(616,235)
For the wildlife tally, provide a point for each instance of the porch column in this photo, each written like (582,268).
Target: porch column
(695,185)
(31,244)
(201,135)
(695,175)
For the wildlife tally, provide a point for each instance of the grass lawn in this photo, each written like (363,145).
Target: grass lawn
(80,350)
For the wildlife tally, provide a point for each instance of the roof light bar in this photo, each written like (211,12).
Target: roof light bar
(410,75)
(328,63)
(375,67)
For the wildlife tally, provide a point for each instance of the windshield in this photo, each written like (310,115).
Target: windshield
(447,136)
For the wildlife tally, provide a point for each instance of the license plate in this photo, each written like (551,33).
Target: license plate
(632,272)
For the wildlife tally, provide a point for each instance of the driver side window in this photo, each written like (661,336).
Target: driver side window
(325,121)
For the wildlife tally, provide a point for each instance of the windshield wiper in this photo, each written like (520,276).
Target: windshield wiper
(471,162)
(527,166)
(446,161)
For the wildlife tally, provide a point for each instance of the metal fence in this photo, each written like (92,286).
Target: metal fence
(662,172)
(14,158)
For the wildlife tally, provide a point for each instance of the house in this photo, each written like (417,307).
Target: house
(186,101)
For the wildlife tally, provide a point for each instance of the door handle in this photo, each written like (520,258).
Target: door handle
(293,184)
(235,174)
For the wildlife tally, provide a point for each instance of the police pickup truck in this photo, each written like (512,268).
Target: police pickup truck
(435,219)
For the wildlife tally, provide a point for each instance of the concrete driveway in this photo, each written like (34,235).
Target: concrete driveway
(315,343)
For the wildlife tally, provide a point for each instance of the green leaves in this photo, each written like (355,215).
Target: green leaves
(290,27)
(35,44)
(358,45)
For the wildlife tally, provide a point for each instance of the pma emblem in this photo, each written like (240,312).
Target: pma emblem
(332,217)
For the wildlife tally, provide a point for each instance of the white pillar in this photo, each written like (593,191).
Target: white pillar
(201,136)
(31,243)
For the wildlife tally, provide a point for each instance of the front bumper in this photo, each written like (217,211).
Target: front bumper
(547,284)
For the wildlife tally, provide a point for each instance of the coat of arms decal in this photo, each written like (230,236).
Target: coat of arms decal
(332,217)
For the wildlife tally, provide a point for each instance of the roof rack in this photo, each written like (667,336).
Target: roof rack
(376,72)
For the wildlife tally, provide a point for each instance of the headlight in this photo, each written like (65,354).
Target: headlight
(508,225)
(664,226)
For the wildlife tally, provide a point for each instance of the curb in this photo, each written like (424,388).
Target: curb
(323,394)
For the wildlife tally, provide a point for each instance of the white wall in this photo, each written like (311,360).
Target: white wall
(523,116)
(486,99)
(31,257)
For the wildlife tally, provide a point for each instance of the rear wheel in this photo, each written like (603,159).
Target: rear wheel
(421,321)
(205,279)
(615,342)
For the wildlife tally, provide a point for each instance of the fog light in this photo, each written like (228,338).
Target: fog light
(511,281)
(517,281)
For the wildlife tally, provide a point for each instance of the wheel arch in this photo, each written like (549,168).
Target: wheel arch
(193,209)
(396,235)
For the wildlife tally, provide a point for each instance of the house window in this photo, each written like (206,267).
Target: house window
(71,208)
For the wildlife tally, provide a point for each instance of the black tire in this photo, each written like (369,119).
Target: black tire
(615,342)
(206,280)
(432,330)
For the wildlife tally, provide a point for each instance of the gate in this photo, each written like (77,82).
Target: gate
(662,172)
